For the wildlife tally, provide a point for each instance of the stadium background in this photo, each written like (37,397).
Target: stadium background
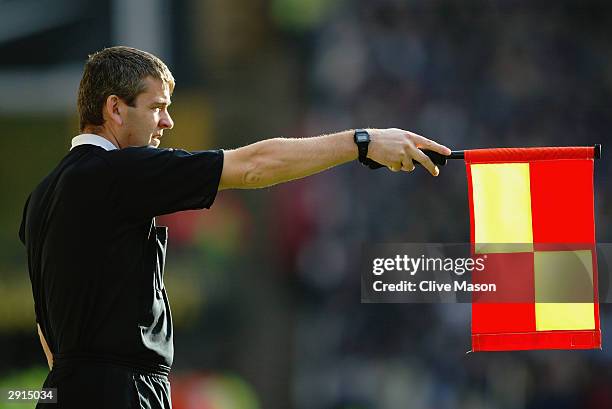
(265,287)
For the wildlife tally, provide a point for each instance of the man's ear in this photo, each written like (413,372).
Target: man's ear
(114,109)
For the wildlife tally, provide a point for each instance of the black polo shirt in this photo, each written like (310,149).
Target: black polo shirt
(96,257)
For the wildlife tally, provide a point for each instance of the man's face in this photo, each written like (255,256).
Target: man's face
(146,120)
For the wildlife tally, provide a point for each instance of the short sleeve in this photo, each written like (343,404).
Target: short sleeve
(152,182)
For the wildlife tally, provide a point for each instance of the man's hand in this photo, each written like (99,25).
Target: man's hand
(45,347)
(398,149)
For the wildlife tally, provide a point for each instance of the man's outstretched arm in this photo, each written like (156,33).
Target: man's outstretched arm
(278,160)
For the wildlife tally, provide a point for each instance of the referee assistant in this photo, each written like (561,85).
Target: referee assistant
(96,256)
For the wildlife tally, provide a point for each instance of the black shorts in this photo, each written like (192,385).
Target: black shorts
(104,386)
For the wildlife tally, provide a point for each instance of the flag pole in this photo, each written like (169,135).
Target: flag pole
(441,160)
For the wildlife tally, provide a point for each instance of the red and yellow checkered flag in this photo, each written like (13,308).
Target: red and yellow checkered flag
(531,212)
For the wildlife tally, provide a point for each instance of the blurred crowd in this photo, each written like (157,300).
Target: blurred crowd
(266,285)
(501,75)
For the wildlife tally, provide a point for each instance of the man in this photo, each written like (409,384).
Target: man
(95,255)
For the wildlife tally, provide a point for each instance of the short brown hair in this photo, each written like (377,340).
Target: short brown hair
(120,71)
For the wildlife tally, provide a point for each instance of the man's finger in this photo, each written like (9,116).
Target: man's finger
(407,165)
(395,167)
(422,142)
(424,160)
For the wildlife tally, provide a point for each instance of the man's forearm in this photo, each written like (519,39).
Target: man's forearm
(278,160)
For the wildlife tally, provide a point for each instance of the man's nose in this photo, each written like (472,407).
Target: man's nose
(166,121)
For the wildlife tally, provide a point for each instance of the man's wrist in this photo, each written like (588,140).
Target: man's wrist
(363,139)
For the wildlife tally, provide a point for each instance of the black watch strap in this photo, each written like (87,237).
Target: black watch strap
(362,140)
(372,164)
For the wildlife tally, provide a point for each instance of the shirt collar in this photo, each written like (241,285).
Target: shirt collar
(91,139)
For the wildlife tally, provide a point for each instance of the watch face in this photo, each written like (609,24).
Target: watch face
(362,137)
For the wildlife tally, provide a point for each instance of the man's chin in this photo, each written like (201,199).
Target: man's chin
(155,143)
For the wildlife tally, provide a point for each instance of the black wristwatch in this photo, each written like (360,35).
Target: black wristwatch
(362,140)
